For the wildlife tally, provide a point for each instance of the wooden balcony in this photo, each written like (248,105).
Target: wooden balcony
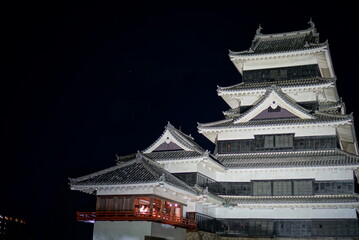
(136,216)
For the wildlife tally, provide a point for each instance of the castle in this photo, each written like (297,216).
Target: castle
(284,163)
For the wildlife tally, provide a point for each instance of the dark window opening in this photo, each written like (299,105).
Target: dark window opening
(285,73)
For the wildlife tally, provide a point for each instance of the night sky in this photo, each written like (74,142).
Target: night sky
(82,82)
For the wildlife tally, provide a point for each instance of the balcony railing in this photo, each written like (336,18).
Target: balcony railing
(136,216)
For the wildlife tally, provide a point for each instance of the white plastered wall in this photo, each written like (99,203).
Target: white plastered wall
(280,61)
(299,131)
(287,212)
(316,173)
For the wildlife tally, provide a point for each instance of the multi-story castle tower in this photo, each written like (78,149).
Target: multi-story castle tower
(284,163)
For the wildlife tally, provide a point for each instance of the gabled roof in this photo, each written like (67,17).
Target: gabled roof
(174,139)
(168,155)
(273,99)
(283,42)
(318,118)
(318,158)
(139,170)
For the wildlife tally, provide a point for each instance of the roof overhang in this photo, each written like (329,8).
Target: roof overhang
(347,138)
(319,55)
(158,188)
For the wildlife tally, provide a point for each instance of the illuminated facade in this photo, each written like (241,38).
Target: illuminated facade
(284,163)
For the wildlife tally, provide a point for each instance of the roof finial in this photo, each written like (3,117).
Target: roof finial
(169,125)
(162,178)
(138,155)
(206,153)
(258,32)
(311,23)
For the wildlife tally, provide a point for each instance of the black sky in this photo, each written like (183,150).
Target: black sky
(82,82)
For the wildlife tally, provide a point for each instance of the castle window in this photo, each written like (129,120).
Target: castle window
(262,188)
(283,141)
(268,142)
(302,187)
(282,188)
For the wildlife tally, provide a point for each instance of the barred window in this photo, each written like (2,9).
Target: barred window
(302,187)
(282,188)
(262,188)
(268,141)
(283,141)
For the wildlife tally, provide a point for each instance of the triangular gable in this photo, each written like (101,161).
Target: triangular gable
(173,139)
(274,105)
(274,112)
(168,146)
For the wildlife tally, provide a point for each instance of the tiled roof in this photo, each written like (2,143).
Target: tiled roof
(186,140)
(234,200)
(180,155)
(319,118)
(139,170)
(282,42)
(232,112)
(331,107)
(167,155)
(288,159)
(303,82)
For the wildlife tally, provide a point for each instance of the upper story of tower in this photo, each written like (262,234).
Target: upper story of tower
(284,56)
(288,88)
(296,61)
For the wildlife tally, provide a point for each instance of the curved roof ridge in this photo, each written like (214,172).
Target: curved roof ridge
(327,114)
(232,112)
(285,83)
(287,34)
(214,123)
(187,140)
(282,42)
(224,88)
(253,53)
(310,29)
